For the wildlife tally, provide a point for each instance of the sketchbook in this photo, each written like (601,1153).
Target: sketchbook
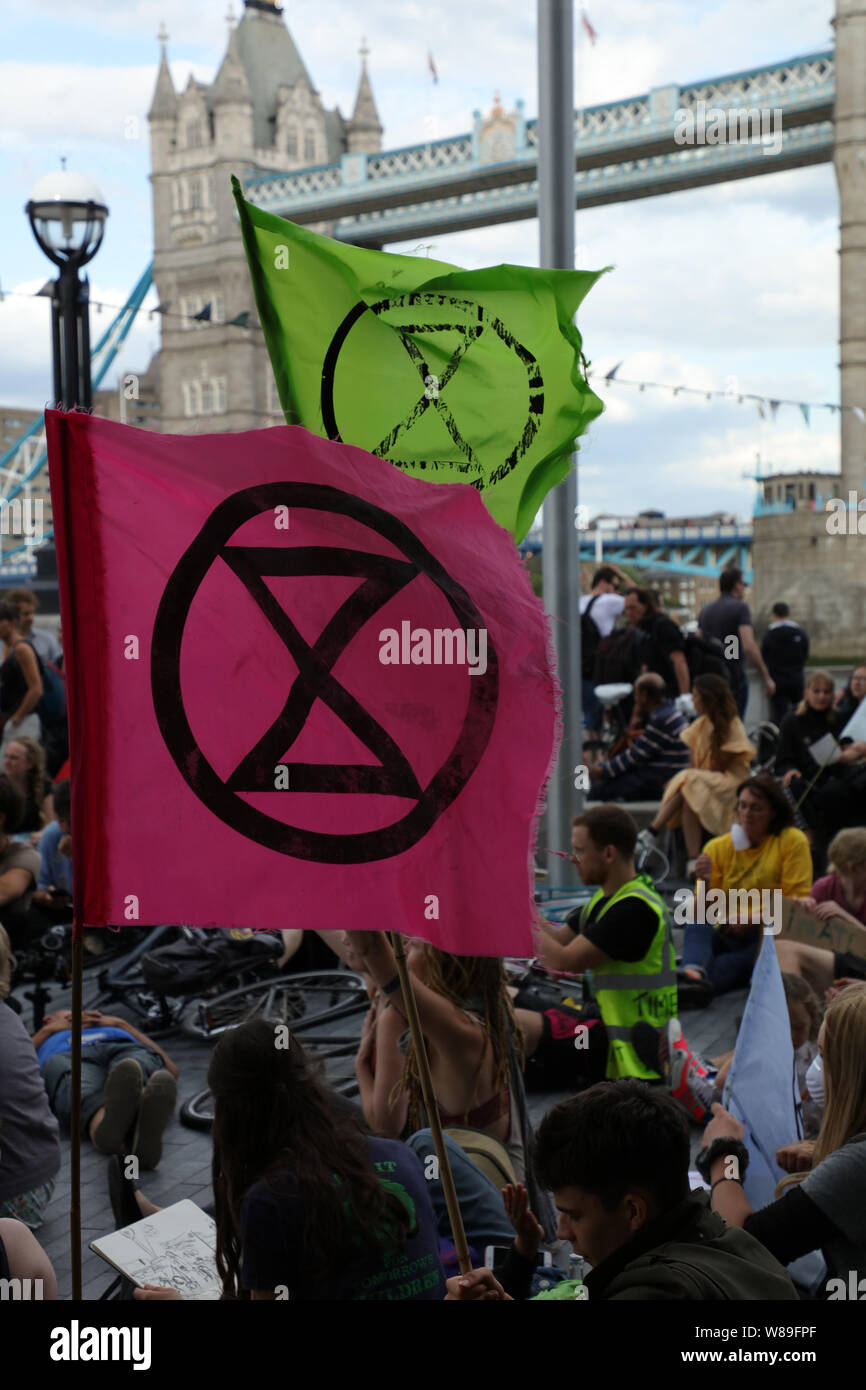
(173,1248)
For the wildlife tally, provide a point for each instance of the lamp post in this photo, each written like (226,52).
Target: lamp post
(67,213)
(561,554)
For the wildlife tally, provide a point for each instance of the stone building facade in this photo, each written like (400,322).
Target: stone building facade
(261,114)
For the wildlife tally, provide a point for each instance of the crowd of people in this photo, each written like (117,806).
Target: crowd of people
(317,1197)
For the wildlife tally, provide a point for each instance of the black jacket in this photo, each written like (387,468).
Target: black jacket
(796,733)
(785,648)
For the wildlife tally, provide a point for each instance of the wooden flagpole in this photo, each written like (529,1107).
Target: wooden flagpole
(75,1111)
(446,1177)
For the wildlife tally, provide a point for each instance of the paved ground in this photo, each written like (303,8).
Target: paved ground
(185,1167)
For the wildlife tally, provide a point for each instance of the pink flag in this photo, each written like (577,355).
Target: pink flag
(584,19)
(305,689)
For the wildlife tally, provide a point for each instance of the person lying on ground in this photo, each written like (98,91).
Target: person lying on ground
(306,1205)
(774,856)
(622,934)
(617,1160)
(840,893)
(827,1210)
(128,1083)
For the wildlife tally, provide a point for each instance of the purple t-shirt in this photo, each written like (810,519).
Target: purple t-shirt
(272,1236)
(829,890)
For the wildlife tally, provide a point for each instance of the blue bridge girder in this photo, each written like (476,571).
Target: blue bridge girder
(623,150)
(687,550)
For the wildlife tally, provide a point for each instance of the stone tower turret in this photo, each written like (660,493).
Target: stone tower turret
(232,103)
(364,130)
(850,162)
(261,114)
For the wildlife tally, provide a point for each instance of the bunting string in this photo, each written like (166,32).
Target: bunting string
(764,404)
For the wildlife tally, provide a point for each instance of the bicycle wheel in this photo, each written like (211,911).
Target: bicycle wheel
(197,1112)
(302,1002)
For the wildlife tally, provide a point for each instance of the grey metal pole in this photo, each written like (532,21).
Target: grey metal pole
(561,551)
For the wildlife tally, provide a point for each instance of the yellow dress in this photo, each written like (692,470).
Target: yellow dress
(709,787)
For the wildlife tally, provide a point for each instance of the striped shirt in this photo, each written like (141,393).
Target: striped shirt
(659,746)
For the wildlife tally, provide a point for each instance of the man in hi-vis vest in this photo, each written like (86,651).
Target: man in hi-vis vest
(622,935)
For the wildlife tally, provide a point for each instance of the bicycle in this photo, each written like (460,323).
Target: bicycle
(157,1002)
(304,1003)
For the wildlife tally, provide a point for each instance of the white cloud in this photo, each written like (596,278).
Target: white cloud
(43,102)
(738,280)
(25,340)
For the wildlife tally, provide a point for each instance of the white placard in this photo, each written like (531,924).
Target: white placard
(856,726)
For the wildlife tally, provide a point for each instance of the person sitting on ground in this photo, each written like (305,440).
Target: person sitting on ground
(19,865)
(698,1084)
(29,1143)
(764,850)
(22,1257)
(827,1210)
(840,893)
(830,794)
(617,1160)
(306,1205)
(641,771)
(52,901)
(24,765)
(472,1039)
(128,1084)
(847,701)
(705,794)
(623,934)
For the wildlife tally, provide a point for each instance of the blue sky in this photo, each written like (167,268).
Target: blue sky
(732,287)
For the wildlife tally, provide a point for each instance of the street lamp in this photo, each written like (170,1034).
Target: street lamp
(67,213)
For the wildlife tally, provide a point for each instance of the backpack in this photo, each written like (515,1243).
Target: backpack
(705,656)
(51,707)
(619,656)
(589,640)
(190,966)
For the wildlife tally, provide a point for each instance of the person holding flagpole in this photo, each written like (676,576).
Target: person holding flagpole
(470,1031)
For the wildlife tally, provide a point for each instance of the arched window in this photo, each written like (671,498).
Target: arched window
(310,146)
(193,135)
(292,142)
(195,194)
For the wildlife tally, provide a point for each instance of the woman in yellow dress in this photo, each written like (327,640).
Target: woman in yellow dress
(705,793)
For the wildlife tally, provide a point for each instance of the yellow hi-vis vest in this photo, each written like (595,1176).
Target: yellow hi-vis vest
(631,991)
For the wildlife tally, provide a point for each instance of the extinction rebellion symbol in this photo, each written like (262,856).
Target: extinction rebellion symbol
(382,577)
(469,321)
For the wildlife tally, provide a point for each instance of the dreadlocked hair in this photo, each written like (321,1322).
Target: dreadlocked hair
(478,983)
(272,1114)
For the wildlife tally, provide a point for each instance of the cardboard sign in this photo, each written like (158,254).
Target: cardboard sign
(837,934)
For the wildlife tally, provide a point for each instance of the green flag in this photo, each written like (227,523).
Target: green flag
(454,376)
